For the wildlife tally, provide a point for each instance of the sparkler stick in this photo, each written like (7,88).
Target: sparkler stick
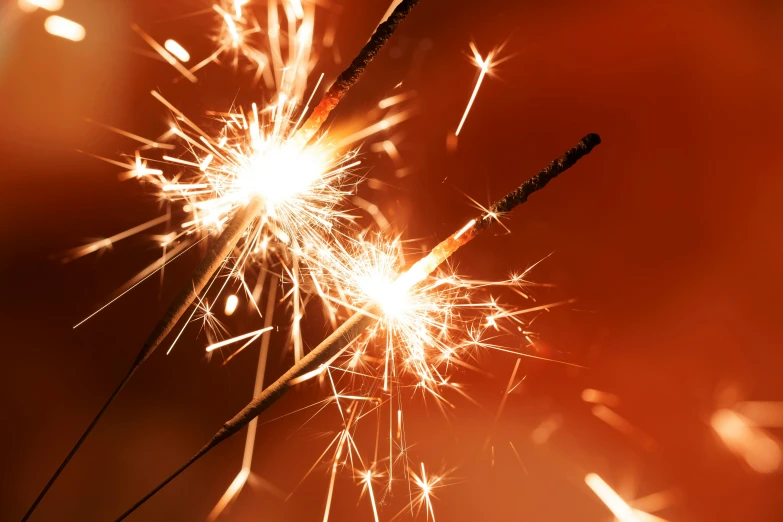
(242,219)
(332,346)
(211,262)
(350,75)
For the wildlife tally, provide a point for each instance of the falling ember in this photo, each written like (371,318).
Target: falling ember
(231,304)
(64,28)
(177,50)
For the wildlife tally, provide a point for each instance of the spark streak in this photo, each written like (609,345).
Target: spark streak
(484,64)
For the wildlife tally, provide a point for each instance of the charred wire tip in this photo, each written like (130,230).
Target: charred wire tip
(539,181)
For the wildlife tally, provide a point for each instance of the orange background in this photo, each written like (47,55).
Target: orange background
(669,235)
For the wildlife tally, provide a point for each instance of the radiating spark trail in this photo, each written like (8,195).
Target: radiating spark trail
(502,403)
(49,5)
(252,335)
(64,28)
(484,64)
(368,482)
(247,458)
(75,253)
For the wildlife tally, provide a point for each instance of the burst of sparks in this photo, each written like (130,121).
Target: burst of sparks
(429,324)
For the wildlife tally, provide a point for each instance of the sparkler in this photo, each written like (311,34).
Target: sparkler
(247,196)
(315,362)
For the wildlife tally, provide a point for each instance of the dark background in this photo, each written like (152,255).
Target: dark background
(669,236)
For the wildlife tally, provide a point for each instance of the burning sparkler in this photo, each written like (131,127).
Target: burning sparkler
(236,183)
(316,362)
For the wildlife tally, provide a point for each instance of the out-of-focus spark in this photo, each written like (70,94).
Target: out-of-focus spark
(621,424)
(543,431)
(177,50)
(764,413)
(32,5)
(519,459)
(394,100)
(599,397)
(484,64)
(64,28)
(619,508)
(747,440)
(166,55)
(75,253)
(231,304)
(382,125)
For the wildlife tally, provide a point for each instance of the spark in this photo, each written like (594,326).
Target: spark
(484,65)
(426,486)
(177,50)
(164,53)
(747,440)
(367,480)
(239,481)
(621,424)
(48,5)
(64,28)
(545,429)
(252,335)
(599,397)
(619,508)
(231,304)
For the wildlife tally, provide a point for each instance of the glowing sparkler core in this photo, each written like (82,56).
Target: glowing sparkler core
(280,172)
(392,297)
